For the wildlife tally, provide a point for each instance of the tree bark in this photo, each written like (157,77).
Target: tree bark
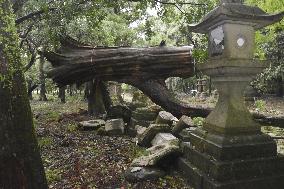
(62,94)
(20,161)
(79,64)
(42,94)
(157,91)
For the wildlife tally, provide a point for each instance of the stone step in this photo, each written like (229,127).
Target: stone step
(233,147)
(199,180)
(237,169)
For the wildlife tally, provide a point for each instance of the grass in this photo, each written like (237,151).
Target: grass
(44,142)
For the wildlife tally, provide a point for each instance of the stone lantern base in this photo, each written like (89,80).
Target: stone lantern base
(229,151)
(232,162)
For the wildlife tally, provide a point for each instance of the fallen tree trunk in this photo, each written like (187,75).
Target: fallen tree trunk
(144,68)
(78,64)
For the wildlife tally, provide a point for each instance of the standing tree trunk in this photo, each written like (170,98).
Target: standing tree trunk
(98,97)
(30,92)
(42,96)
(20,161)
(61,94)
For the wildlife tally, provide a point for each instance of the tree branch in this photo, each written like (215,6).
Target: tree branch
(186,3)
(33,15)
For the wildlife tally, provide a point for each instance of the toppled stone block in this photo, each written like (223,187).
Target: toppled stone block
(162,138)
(137,174)
(145,138)
(157,153)
(165,118)
(140,129)
(134,122)
(114,127)
(119,111)
(184,122)
(144,114)
(102,131)
(91,124)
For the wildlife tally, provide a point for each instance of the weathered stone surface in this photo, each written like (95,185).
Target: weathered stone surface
(144,114)
(102,131)
(184,122)
(165,118)
(162,138)
(139,129)
(158,153)
(91,124)
(119,111)
(134,122)
(114,126)
(145,138)
(137,174)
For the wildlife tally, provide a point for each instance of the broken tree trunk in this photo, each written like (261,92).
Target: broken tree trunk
(144,68)
(78,64)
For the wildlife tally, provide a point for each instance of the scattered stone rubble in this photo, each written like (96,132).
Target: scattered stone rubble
(158,131)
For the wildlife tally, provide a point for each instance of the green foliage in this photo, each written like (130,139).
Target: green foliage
(53,175)
(53,115)
(44,142)
(198,121)
(72,127)
(260,105)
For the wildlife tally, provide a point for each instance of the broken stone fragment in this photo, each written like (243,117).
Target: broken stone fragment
(91,124)
(162,138)
(165,118)
(157,154)
(114,127)
(137,174)
(144,114)
(139,129)
(184,122)
(119,111)
(145,138)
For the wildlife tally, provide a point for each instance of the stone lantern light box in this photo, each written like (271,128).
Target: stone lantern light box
(231,29)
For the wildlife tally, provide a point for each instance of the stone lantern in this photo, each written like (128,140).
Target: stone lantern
(230,151)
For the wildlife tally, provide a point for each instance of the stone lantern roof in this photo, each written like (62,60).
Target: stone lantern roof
(235,12)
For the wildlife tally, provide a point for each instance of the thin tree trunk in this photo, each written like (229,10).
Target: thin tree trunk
(61,94)
(42,95)
(20,161)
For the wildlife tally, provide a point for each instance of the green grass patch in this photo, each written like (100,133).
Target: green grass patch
(53,175)
(44,142)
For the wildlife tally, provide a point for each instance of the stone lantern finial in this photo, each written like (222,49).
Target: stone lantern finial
(232,1)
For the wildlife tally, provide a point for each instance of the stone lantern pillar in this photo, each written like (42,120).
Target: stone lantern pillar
(230,151)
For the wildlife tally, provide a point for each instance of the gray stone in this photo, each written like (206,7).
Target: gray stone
(144,114)
(165,118)
(162,138)
(137,174)
(157,153)
(184,122)
(114,126)
(145,138)
(139,129)
(91,124)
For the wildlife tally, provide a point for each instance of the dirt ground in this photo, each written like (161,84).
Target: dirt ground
(76,159)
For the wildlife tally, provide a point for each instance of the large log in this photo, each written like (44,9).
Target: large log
(144,68)
(78,63)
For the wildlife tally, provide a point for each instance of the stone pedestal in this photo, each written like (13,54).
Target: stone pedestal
(229,151)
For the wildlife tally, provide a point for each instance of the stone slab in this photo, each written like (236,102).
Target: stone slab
(162,138)
(199,180)
(237,169)
(91,124)
(233,147)
(145,138)
(138,174)
(115,126)
(157,154)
